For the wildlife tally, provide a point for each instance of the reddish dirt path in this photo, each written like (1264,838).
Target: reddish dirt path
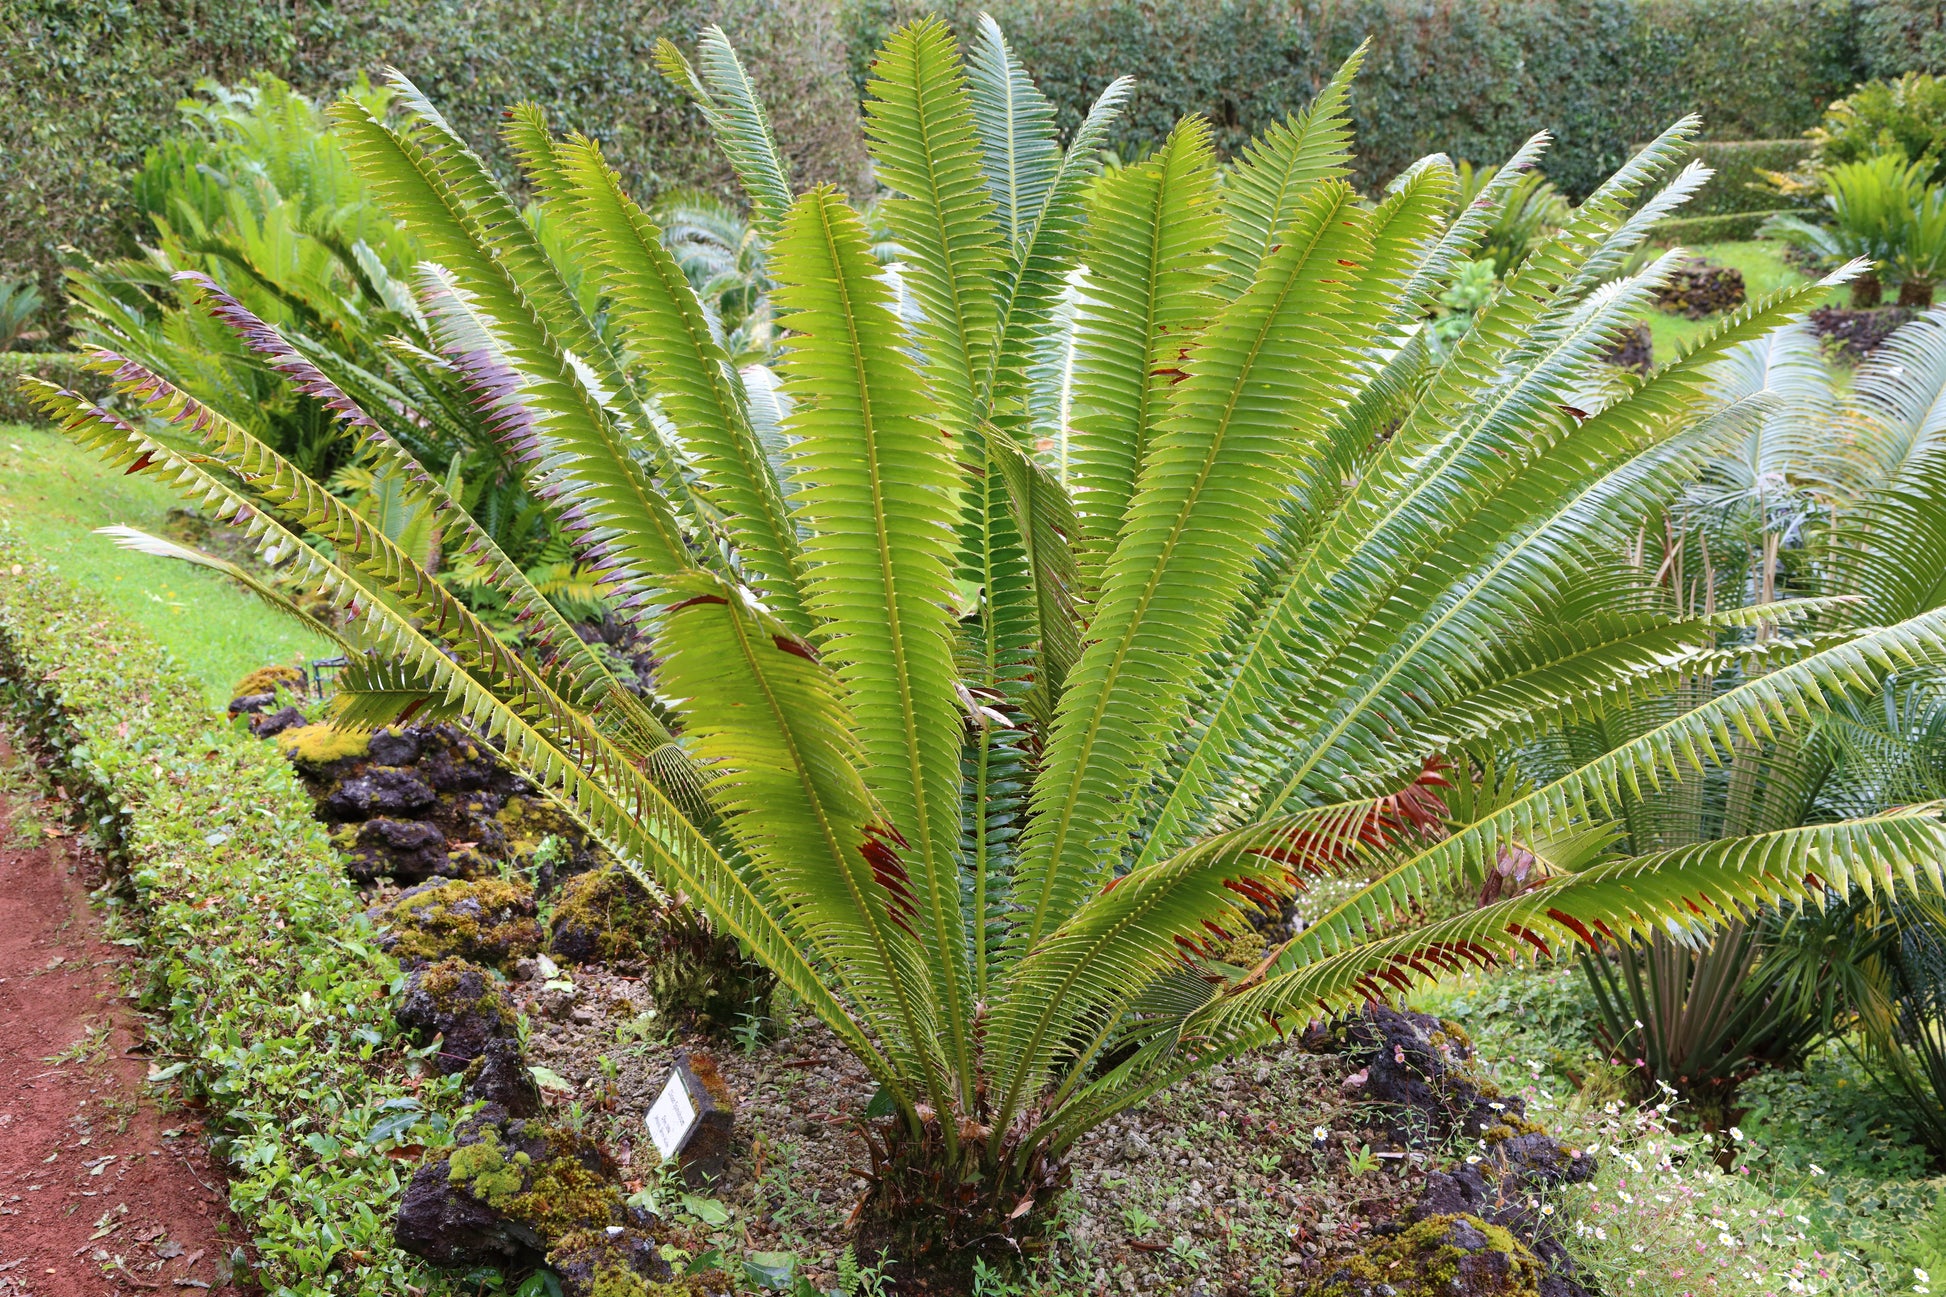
(100,1192)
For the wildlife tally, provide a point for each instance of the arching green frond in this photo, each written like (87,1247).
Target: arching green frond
(1495,554)
(1016,126)
(919,123)
(373,692)
(769,722)
(1472,222)
(527,134)
(1222,456)
(1562,674)
(1084,976)
(142,542)
(1263,190)
(701,392)
(570,666)
(625,810)
(1151,231)
(729,101)
(576,458)
(1041,265)
(1689,890)
(878,494)
(429,178)
(1784,701)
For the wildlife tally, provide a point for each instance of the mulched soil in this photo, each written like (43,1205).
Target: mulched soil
(101,1191)
(1217,1187)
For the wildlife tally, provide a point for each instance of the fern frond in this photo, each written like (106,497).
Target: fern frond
(1152,228)
(1264,189)
(920,126)
(1221,458)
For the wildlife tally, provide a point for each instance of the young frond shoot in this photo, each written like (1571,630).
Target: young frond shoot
(1002,761)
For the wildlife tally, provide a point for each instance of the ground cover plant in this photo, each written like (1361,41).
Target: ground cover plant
(1008,773)
(265,987)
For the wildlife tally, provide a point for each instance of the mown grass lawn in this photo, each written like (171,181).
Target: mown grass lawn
(53,496)
(1764,271)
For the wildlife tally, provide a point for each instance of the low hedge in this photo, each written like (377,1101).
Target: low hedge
(1738,187)
(1730,227)
(268,1001)
(63,367)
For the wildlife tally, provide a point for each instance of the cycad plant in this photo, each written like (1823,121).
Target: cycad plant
(1876,211)
(998,771)
(1837,492)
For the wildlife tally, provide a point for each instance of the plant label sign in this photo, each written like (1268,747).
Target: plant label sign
(673,1117)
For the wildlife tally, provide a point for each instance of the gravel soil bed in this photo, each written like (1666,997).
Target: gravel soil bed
(1220,1186)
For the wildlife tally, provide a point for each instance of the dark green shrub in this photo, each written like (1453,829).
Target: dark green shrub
(1897,36)
(91,85)
(1473,79)
(1906,116)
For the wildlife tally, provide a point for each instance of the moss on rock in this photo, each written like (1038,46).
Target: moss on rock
(268,680)
(319,745)
(489,921)
(458,1001)
(1441,1256)
(604,916)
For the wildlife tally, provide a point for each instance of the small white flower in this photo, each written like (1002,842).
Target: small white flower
(1816,1169)
(1547,1209)
(1736,1133)
(1320,1134)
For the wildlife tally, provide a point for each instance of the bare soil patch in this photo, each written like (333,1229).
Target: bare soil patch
(101,1190)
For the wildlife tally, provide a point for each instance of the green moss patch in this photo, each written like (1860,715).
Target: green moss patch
(320,745)
(604,916)
(1441,1256)
(488,921)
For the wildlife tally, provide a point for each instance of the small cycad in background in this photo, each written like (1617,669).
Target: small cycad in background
(991,760)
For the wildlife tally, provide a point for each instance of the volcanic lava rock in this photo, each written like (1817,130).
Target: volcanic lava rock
(267,725)
(488,921)
(1451,1256)
(380,790)
(500,1076)
(516,1190)
(1420,1073)
(460,1002)
(408,850)
(604,916)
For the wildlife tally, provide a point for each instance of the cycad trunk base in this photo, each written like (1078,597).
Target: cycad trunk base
(936,1211)
(1091,581)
